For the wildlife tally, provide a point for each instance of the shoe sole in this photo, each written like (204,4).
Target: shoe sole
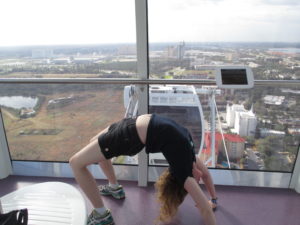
(115,196)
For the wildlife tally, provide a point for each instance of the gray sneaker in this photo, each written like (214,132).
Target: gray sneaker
(117,193)
(96,219)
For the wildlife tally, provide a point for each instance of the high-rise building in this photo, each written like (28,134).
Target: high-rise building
(245,123)
(180,50)
(177,51)
(231,112)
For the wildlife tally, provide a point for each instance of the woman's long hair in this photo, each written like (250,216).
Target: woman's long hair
(170,194)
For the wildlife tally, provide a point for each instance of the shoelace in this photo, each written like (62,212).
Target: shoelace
(214,200)
(105,187)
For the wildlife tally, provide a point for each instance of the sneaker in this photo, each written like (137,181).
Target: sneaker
(213,203)
(117,193)
(96,219)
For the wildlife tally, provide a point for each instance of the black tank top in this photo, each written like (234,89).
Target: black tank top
(174,142)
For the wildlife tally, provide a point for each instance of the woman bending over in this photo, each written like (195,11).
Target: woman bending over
(129,137)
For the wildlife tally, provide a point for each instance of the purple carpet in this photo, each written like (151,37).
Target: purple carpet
(237,205)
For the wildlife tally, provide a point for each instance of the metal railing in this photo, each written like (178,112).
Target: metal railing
(134,81)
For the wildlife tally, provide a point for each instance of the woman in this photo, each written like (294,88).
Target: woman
(130,136)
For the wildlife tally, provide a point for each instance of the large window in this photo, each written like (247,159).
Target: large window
(74,39)
(188,38)
(257,129)
(52,122)
(63,39)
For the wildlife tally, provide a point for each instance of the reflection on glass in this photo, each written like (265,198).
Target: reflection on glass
(62,121)
(256,129)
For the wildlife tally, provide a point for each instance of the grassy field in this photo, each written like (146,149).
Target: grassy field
(77,123)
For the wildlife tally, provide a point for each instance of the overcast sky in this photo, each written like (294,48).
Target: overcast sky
(39,22)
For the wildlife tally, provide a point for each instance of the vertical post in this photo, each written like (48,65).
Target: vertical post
(1,210)
(5,163)
(142,69)
(295,180)
(212,128)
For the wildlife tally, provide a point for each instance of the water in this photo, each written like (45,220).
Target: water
(285,50)
(18,102)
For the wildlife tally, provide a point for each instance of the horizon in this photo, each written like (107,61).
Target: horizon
(154,43)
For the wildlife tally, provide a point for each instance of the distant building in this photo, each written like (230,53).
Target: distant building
(176,52)
(127,50)
(61,61)
(60,102)
(180,50)
(27,112)
(294,131)
(264,132)
(230,113)
(273,100)
(83,60)
(294,122)
(235,146)
(234,143)
(245,123)
(41,53)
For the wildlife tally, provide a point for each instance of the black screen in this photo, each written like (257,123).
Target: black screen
(234,76)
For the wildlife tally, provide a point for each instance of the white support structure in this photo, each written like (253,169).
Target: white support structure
(212,128)
(5,163)
(142,69)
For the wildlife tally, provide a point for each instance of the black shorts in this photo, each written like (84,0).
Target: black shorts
(121,139)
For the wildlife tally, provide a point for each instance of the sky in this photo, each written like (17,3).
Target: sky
(51,22)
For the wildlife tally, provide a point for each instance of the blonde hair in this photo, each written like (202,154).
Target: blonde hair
(170,194)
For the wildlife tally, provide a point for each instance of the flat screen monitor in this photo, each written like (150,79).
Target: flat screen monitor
(234,77)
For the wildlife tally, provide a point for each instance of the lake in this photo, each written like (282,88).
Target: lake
(18,102)
(285,50)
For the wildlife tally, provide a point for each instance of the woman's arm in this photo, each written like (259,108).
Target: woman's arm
(206,177)
(193,188)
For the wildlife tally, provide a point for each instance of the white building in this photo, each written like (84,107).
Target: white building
(245,123)
(264,132)
(273,100)
(230,113)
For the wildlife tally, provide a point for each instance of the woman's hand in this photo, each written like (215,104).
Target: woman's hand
(197,174)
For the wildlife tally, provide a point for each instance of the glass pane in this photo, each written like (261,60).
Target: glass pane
(52,122)
(267,120)
(180,103)
(188,38)
(77,39)
(256,129)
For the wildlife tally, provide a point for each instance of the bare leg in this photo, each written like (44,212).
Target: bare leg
(106,165)
(108,170)
(88,155)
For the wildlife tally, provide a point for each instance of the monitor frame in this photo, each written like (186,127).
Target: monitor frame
(249,76)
